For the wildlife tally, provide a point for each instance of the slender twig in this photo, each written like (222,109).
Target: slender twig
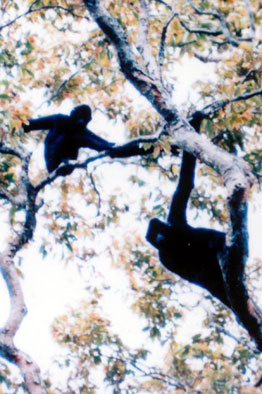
(63,85)
(217,105)
(96,191)
(200,30)
(164,3)
(31,10)
(18,200)
(206,59)
(223,24)
(71,164)
(161,53)
(199,11)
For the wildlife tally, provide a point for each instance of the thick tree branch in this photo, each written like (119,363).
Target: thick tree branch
(134,71)
(8,350)
(160,98)
(19,151)
(142,44)
(26,197)
(233,266)
(236,175)
(19,198)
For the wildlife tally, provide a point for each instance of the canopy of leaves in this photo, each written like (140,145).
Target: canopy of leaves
(52,57)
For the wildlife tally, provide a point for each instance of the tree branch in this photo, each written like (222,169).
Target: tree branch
(224,26)
(200,30)
(164,3)
(31,10)
(71,164)
(161,54)
(27,197)
(134,71)
(236,175)
(142,44)
(8,350)
(19,151)
(251,17)
(217,105)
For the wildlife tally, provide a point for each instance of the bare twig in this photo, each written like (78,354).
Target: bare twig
(71,164)
(62,86)
(31,10)
(200,30)
(164,3)
(161,53)
(206,58)
(96,191)
(223,24)
(217,105)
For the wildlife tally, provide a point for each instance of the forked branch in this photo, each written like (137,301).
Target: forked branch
(236,175)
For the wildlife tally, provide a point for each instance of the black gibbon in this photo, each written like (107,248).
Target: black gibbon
(66,135)
(190,252)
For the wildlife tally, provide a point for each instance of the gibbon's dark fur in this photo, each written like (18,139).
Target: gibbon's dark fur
(67,134)
(190,252)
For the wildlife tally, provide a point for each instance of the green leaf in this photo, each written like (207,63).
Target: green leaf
(5,97)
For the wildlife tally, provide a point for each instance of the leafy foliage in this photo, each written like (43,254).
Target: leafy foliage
(52,53)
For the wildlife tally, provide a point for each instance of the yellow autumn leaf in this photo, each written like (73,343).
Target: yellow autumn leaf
(134,284)
(104,61)
(242,11)
(15,124)
(166,145)
(156,151)
(245,46)
(247,115)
